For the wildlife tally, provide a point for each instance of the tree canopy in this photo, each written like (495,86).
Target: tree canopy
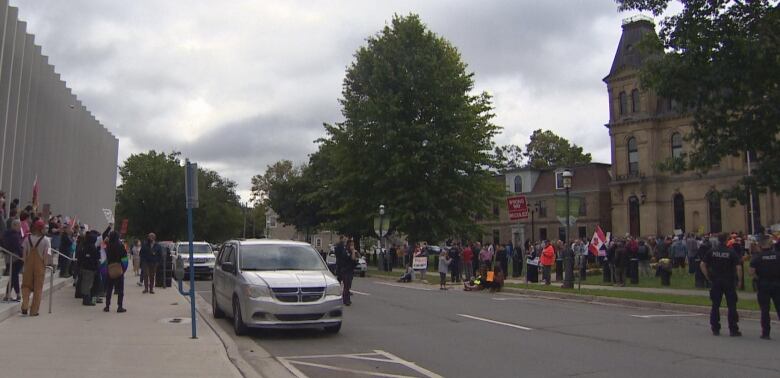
(544,150)
(721,65)
(414,138)
(151,197)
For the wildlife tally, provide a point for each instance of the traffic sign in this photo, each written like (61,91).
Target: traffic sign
(518,207)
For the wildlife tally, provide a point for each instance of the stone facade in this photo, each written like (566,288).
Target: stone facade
(644,130)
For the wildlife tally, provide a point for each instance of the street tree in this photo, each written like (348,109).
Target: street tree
(261,184)
(415,137)
(509,156)
(151,197)
(546,149)
(721,65)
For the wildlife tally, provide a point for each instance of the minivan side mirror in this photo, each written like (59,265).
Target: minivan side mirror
(228,267)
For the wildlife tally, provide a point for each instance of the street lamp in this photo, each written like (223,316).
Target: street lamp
(381,220)
(568,279)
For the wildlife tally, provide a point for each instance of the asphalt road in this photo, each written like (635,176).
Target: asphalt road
(414,330)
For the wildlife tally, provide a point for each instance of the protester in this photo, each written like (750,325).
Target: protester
(36,256)
(679,253)
(643,257)
(547,260)
(420,251)
(532,263)
(455,255)
(444,265)
(620,263)
(692,247)
(116,257)
(66,242)
(765,267)
(468,257)
(88,259)
(151,254)
(720,268)
(136,253)
(12,241)
(498,279)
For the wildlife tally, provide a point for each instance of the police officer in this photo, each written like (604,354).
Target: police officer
(765,267)
(720,267)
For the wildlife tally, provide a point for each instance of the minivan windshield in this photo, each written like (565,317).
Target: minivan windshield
(196,248)
(280,257)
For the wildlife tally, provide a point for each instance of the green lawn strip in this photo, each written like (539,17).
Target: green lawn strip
(746,302)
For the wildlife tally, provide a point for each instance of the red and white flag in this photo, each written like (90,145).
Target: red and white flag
(598,245)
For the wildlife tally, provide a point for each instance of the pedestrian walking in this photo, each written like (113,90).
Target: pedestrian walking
(136,253)
(36,256)
(12,241)
(765,268)
(547,260)
(151,254)
(719,266)
(444,266)
(116,258)
(346,259)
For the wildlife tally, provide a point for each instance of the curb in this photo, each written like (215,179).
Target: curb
(272,365)
(635,303)
(16,308)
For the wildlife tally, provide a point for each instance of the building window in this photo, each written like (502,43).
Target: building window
(635,101)
(677,145)
(679,211)
(271,222)
(543,233)
(318,243)
(633,216)
(542,210)
(559,180)
(713,205)
(518,184)
(583,209)
(582,232)
(623,100)
(633,157)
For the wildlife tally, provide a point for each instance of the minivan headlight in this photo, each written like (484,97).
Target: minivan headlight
(333,290)
(256,291)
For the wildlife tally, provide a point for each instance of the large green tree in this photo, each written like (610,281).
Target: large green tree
(415,138)
(151,197)
(546,149)
(721,64)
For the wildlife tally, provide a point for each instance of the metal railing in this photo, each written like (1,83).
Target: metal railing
(50,268)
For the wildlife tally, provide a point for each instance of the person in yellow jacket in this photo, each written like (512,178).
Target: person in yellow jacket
(36,254)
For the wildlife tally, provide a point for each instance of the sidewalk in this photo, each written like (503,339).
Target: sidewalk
(80,341)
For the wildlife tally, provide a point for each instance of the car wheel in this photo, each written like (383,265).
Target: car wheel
(216,311)
(238,323)
(333,329)
(363,273)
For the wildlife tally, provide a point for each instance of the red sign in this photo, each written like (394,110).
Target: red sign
(123,230)
(518,208)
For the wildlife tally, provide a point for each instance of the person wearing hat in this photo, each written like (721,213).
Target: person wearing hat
(36,256)
(765,267)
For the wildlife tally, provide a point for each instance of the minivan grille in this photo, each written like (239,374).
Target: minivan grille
(295,295)
(298,317)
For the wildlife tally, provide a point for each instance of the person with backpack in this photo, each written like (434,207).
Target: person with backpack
(36,256)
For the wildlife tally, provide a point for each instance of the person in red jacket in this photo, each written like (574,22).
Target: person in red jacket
(547,260)
(468,257)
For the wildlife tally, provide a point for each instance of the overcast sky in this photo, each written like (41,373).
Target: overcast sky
(238,85)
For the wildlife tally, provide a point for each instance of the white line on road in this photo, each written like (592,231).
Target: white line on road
(409,364)
(665,316)
(496,322)
(358,292)
(509,299)
(402,286)
(360,372)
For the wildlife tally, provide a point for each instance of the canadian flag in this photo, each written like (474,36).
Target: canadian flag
(598,244)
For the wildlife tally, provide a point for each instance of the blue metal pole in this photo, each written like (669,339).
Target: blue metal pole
(192,276)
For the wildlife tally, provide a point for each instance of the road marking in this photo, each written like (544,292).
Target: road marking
(291,362)
(402,286)
(665,316)
(509,299)
(359,292)
(496,322)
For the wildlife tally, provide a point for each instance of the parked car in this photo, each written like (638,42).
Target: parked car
(202,256)
(360,268)
(264,283)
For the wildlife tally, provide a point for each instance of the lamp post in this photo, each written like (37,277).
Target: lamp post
(568,254)
(381,220)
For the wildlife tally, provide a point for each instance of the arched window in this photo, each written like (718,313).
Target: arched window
(633,216)
(713,206)
(518,184)
(679,211)
(623,99)
(633,156)
(635,101)
(677,145)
